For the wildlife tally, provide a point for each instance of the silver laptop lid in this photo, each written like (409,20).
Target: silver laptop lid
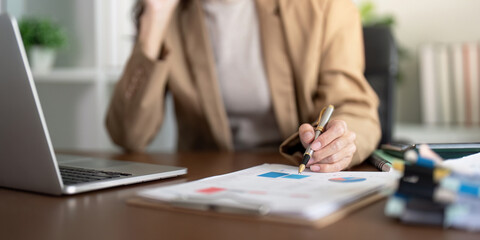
(27,160)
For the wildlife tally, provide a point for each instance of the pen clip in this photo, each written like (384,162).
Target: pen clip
(324,118)
(320,116)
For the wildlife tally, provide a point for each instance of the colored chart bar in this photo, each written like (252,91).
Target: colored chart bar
(282,175)
(211,190)
(347,179)
(273,174)
(296,176)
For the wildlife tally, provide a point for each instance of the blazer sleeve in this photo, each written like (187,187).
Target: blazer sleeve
(342,83)
(137,106)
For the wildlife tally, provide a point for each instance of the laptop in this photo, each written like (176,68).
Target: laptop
(27,159)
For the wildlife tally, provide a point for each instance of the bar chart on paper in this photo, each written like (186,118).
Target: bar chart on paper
(279,189)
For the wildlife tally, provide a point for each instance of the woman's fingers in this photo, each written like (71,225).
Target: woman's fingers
(334,130)
(336,150)
(306,133)
(331,167)
(333,149)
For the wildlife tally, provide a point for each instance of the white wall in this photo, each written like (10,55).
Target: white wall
(119,34)
(422,21)
(13,7)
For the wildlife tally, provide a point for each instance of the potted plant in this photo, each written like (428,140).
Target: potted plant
(41,38)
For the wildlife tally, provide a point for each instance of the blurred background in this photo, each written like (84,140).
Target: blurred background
(435,92)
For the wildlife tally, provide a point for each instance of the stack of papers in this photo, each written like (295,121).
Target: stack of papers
(274,189)
(468,164)
(443,193)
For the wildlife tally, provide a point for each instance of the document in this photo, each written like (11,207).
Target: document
(275,189)
(469,164)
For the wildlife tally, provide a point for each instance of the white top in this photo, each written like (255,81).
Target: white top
(234,34)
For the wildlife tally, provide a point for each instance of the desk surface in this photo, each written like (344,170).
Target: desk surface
(105,215)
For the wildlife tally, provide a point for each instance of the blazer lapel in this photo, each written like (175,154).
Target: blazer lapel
(200,55)
(301,25)
(277,66)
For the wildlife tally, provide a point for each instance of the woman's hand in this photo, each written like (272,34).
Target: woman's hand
(153,25)
(333,150)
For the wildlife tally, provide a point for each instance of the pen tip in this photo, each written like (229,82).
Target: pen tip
(301,168)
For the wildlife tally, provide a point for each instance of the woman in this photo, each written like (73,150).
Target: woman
(244,74)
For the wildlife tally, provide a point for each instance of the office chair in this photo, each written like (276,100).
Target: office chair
(381,68)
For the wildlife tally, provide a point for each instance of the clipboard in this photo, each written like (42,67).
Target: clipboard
(272,193)
(245,216)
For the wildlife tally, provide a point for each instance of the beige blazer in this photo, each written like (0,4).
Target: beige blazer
(313,56)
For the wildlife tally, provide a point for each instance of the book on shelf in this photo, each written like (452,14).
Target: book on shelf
(427,84)
(471,83)
(450,83)
(443,86)
(458,84)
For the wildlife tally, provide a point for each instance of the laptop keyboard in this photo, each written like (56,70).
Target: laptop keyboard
(72,175)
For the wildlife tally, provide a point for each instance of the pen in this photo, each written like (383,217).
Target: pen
(382,164)
(323,119)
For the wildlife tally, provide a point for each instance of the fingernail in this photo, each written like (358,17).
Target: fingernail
(315,168)
(307,135)
(316,146)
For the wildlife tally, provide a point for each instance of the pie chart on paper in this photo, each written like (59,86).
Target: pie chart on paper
(347,179)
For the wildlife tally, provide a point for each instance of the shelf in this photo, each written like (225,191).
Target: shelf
(418,133)
(67,75)
(77,75)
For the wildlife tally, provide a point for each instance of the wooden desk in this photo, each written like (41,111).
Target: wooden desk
(105,215)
